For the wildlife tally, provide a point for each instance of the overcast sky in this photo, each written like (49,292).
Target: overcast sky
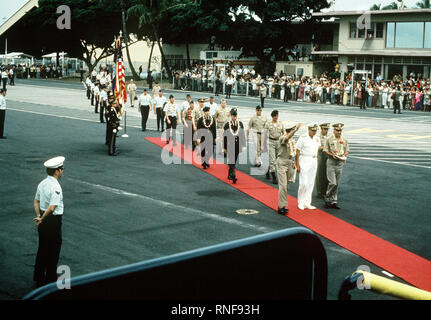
(9,7)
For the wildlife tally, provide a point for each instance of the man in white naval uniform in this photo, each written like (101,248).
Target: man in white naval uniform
(307,147)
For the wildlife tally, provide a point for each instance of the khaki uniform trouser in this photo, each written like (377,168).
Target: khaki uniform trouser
(257,138)
(132,98)
(334,168)
(286,174)
(321,177)
(273,146)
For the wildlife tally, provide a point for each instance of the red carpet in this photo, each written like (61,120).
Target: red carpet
(398,261)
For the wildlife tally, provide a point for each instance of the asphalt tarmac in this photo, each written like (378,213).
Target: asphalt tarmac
(130,208)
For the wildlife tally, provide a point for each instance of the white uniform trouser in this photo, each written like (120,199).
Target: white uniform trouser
(307,176)
(385,100)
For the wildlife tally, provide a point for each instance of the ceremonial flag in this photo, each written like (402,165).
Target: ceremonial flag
(120,78)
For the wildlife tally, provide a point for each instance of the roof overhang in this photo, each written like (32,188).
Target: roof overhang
(18,15)
(424,53)
(328,14)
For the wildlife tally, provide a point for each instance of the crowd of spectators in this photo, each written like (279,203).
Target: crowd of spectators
(412,93)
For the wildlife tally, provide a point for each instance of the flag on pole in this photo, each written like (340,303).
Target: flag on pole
(120,78)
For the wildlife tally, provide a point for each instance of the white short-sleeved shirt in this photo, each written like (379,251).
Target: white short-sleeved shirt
(159,101)
(171,109)
(308,146)
(96,90)
(213,107)
(49,193)
(184,106)
(103,96)
(144,99)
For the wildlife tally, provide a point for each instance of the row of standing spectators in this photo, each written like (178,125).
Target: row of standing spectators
(413,94)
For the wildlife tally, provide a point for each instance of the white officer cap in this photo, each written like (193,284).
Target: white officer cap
(55,163)
(313,126)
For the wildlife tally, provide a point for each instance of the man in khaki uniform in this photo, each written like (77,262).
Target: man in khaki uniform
(275,130)
(257,123)
(132,92)
(155,91)
(221,115)
(198,113)
(321,179)
(286,165)
(337,149)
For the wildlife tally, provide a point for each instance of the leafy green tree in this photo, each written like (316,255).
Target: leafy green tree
(264,28)
(94,23)
(424,4)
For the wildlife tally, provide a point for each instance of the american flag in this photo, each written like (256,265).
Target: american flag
(120,79)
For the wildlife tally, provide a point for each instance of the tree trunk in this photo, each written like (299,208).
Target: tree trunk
(156,35)
(151,56)
(126,38)
(188,55)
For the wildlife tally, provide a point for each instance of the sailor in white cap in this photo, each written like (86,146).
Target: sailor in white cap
(48,205)
(307,147)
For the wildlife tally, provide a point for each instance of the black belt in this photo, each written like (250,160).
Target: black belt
(274,139)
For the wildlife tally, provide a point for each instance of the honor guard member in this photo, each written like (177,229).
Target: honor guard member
(96,91)
(158,105)
(48,206)
(321,179)
(221,115)
(114,117)
(103,96)
(234,142)
(286,165)
(172,112)
(307,147)
(2,111)
(111,99)
(187,120)
(275,130)
(88,84)
(257,123)
(144,101)
(92,92)
(337,149)
(213,106)
(206,127)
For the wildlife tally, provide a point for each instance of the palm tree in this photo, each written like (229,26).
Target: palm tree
(376,7)
(425,4)
(150,14)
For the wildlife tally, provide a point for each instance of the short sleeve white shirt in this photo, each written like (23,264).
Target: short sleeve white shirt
(49,193)
(308,146)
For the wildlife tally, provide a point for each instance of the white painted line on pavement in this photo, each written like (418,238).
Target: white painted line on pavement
(176,207)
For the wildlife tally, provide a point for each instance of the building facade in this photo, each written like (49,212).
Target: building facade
(389,42)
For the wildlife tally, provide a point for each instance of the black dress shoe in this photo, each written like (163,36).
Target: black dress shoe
(234,179)
(328,206)
(334,205)
(282,211)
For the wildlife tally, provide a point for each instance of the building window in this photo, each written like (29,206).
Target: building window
(427,40)
(390,35)
(379,30)
(353,30)
(409,35)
